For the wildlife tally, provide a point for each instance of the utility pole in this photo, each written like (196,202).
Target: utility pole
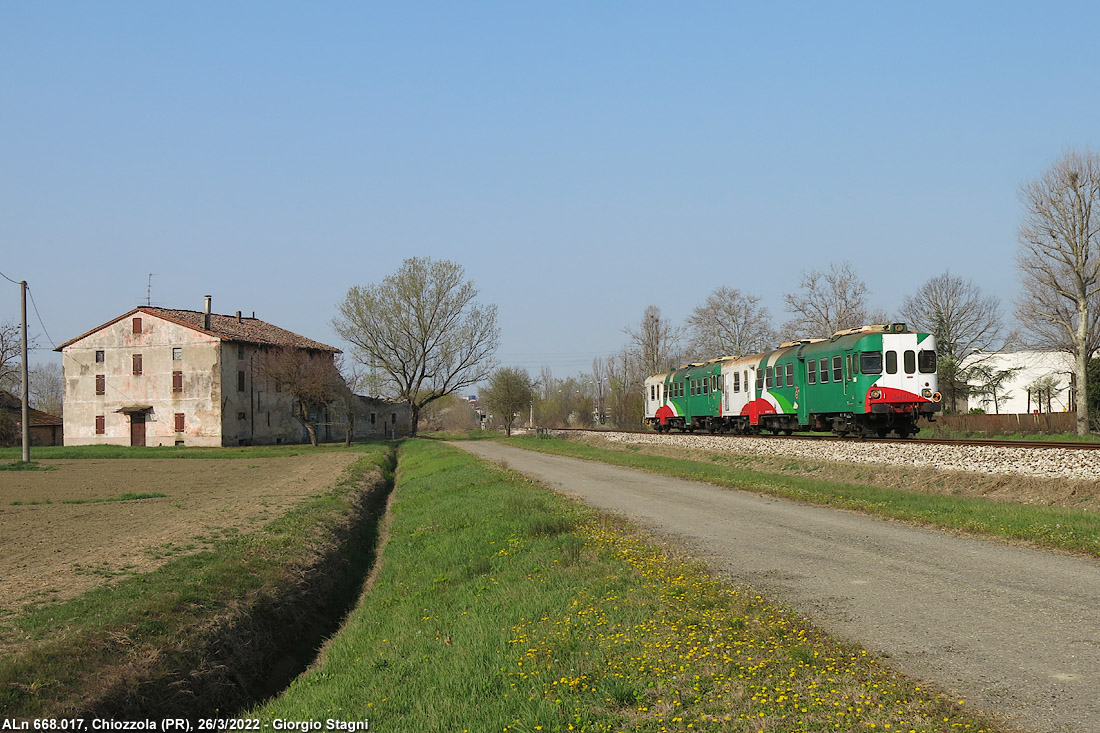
(26,381)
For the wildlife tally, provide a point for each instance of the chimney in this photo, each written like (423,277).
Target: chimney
(238,316)
(206,315)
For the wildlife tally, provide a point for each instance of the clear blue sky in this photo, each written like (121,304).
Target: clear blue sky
(581,160)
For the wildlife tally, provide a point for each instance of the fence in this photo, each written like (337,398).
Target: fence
(1045,423)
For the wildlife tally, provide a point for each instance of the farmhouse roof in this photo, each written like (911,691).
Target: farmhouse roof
(228,328)
(36,418)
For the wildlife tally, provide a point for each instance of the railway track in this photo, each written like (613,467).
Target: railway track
(1028,444)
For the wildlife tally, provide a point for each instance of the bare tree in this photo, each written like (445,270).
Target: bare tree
(47,388)
(11,350)
(1059,262)
(829,302)
(654,342)
(730,323)
(309,378)
(509,393)
(599,389)
(422,328)
(964,321)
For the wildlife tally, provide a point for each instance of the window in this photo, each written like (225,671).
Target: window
(746,380)
(770,378)
(393,418)
(778,375)
(177,381)
(179,422)
(100,425)
(926,361)
(177,353)
(910,362)
(891,362)
(790,374)
(848,366)
(137,365)
(838,369)
(652,392)
(100,384)
(824,369)
(240,352)
(137,325)
(100,357)
(240,381)
(241,416)
(706,385)
(870,362)
(737,381)
(372,418)
(811,372)
(760,379)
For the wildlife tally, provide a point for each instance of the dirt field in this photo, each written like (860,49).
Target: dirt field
(55,551)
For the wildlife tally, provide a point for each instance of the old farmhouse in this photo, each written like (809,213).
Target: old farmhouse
(159,376)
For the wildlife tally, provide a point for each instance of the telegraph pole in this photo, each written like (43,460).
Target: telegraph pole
(26,381)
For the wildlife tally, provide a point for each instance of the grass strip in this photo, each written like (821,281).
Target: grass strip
(1063,528)
(500,606)
(199,632)
(55,452)
(129,496)
(25,466)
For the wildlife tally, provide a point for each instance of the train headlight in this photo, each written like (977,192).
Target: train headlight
(876,394)
(926,393)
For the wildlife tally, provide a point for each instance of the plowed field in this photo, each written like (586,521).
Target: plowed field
(52,550)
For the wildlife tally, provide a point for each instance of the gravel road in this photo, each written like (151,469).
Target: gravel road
(1013,631)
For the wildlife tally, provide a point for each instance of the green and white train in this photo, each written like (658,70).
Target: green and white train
(873,380)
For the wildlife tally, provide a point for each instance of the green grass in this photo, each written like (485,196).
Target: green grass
(25,466)
(162,624)
(129,496)
(500,606)
(168,451)
(1048,526)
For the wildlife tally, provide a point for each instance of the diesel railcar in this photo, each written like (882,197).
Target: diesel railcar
(873,380)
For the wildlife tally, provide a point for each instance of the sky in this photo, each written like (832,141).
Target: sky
(581,160)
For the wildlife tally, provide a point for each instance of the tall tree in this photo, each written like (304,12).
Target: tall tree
(828,302)
(729,323)
(508,394)
(654,341)
(1059,262)
(422,329)
(964,321)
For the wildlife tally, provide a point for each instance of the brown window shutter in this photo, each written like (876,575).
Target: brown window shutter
(100,424)
(137,365)
(179,422)
(177,381)
(100,384)
(137,325)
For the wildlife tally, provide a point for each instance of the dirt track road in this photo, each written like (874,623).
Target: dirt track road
(1011,630)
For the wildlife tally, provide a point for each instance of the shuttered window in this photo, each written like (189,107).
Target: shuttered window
(100,424)
(100,384)
(240,381)
(137,365)
(179,422)
(137,325)
(177,381)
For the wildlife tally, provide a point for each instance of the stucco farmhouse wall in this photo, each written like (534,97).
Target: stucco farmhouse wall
(157,376)
(103,390)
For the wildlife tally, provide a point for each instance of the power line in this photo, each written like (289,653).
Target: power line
(40,322)
(13,282)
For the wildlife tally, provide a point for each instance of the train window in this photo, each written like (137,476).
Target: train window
(824,370)
(926,361)
(811,372)
(652,392)
(848,366)
(706,385)
(778,375)
(891,362)
(870,362)
(910,362)
(790,374)
(759,379)
(838,369)
(770,377)
(737,381)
